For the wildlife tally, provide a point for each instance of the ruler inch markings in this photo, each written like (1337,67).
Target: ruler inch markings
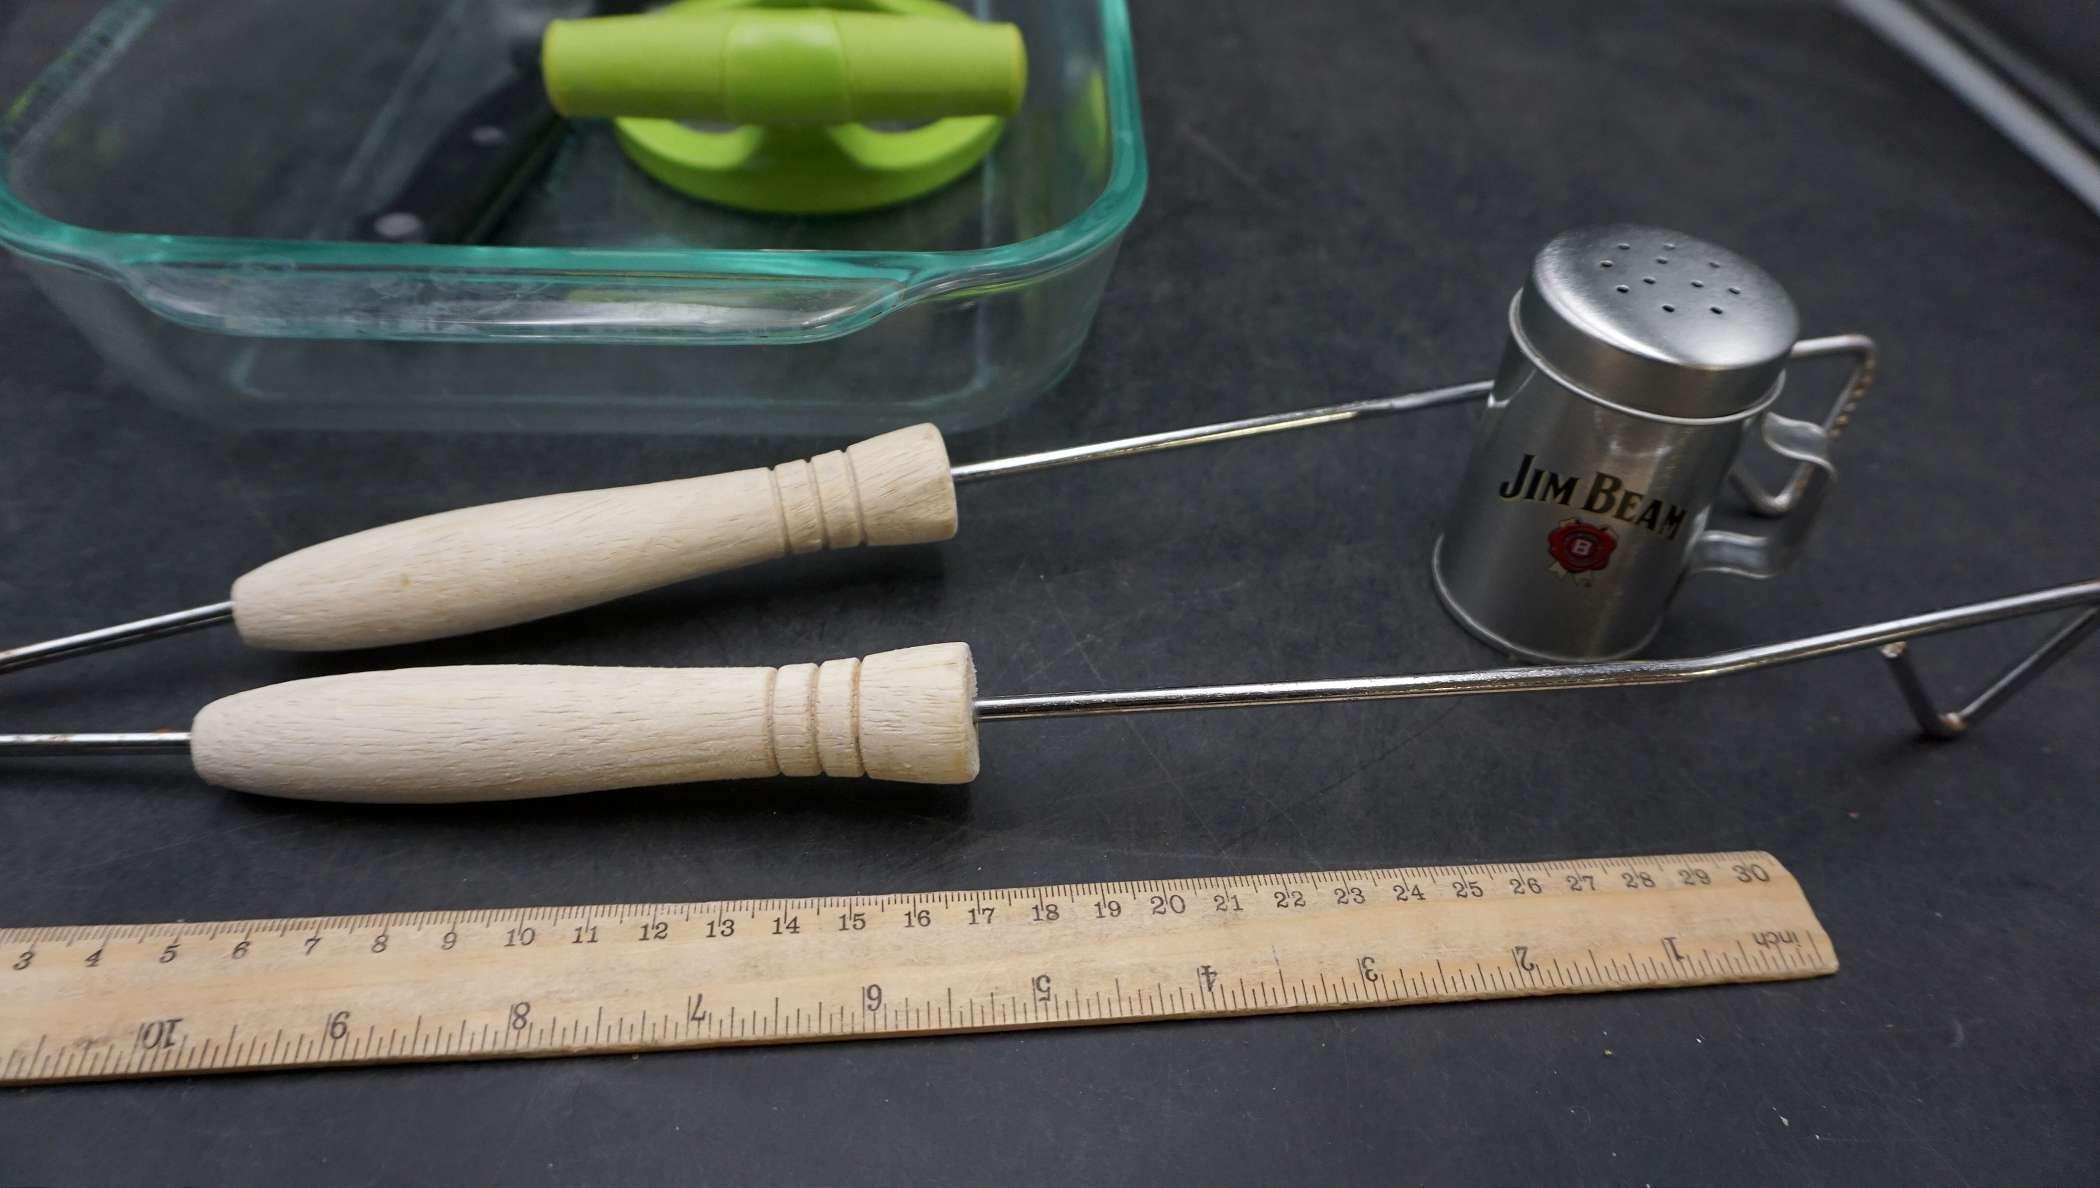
(540,981)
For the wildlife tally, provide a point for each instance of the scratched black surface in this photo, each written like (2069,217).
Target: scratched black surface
(1343,196)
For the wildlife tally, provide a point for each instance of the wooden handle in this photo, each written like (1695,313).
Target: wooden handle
(503,563)
(503,732)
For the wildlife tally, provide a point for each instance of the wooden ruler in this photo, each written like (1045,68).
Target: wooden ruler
(130,1000)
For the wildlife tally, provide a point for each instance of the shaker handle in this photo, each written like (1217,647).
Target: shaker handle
(1864,366)
(1796,504)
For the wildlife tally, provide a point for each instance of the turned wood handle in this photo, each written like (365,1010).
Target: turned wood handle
(504,563)
(504,732)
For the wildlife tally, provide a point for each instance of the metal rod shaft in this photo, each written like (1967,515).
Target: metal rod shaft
(1541,678)
(2015,678)
(140,743)
(1331,414)
(1939,723)
(1931,722)
(2052,143)
(1172,439)
(105,638)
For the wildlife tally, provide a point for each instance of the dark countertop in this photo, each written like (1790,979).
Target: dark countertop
(1345,221)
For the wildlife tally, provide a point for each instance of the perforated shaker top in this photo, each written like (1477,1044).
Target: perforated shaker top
(1656,320)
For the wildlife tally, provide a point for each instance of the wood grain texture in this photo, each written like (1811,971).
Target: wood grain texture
(553,981)
(483,567)
(501,732)
(917,712)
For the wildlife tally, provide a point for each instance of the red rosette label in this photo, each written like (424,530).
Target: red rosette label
(1581,548)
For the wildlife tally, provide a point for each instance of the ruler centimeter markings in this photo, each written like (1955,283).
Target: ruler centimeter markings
(89,1002)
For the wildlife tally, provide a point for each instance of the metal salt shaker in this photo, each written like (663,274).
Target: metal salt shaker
(1639,361)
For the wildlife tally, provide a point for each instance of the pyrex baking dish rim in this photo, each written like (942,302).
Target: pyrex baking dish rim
(892,280)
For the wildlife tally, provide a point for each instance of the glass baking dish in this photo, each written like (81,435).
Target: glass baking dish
(182,182)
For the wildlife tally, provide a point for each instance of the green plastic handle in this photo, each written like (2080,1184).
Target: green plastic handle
(802,66)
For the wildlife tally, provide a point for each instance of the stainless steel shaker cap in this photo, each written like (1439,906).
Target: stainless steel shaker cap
(1656,320)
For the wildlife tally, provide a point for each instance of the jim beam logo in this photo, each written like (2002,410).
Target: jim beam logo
(1577,546)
